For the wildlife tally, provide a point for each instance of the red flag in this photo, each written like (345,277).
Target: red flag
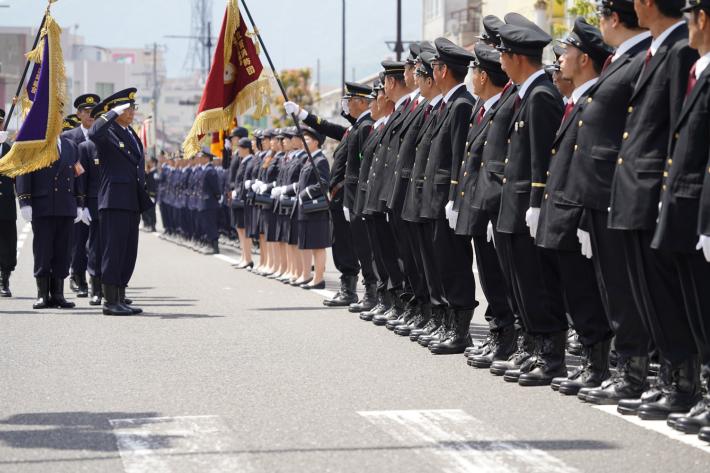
(235,82)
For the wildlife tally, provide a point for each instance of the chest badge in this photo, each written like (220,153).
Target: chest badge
(121,145)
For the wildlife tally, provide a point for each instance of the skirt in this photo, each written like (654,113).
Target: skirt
(314,234)
(253,229)
(268,218)
(293,225)
(238,220)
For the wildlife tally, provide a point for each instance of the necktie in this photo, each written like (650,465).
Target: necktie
(518,102)
(442,107)
(481,114)
(568,109)
(607,63)
(692,80)
(427,111)
(646,60)
(133,140)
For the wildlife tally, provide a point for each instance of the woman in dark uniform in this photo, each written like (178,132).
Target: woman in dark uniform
(314,227)
(287,200)
(269,173)
(246,157)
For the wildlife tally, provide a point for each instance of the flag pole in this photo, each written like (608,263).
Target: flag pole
(323,185)
(24,72)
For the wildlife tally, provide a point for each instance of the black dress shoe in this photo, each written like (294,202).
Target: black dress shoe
(5,284)
(248,265)
(95,293)
(320,285)
(83,287)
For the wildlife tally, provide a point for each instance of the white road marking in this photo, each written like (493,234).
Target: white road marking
(178,444)
(660,427)
(324,292)
(226,258)
(461,443)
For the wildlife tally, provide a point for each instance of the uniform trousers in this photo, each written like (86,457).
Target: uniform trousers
(119,243)
(455,255)
(361,243)
(149,218)
(419,283)
(209,220)
(8,245)
(78,250)
(344,255)
(51,246)
(500,313)
(694,274)
(384,238)
(432,274)
(582,297)
(377,259)
(93,245)
(535,281)
(414,279)
(609,260)
(657,291)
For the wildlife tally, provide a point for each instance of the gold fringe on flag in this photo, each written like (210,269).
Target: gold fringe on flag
(28,156)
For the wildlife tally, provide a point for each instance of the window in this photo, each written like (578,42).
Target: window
(104,89)
(432,9)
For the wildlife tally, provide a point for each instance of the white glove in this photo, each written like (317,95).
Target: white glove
(448,210)
(532,217)
(255,187)
(247,185)
(26,212)
(3,137)
(228,145)
(586,241)
(274,192)
(300,201)
(346,211)
(86,216)
(119,109)
(234,194)
(660,207)
(283,189)
(344,105)
(489,234)
(454,219)
(704,244)
(263,188)
(292,108)
(387,217)
(79,214)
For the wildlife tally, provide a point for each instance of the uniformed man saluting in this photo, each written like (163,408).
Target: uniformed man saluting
(122,197)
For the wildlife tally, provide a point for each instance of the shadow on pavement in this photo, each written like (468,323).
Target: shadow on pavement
(70,430)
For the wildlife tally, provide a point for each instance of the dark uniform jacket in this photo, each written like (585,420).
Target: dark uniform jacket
(406,153)
(8,209)
(53,191)
(122,176)
(560,216)
(340,155)
(357,137)
(76,135)
(531,133)
(243,165)
(368,153)
(377,178)
(677,228)
(653,109)
(412,206)
(598,141)
(486,191)
(212,189)
(194,185)
(309,185)
(90,161)
(469,172)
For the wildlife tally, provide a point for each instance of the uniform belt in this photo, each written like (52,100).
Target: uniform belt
(351,179)
(405,173)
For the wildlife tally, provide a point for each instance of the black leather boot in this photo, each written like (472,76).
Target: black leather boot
(112,305)
(629,382)
(368,301)
(479,347)
(211,248)
(574,347)
(650,394)
(82,286)
(593,372)
(411,310)
(459,337)
(704,434)
(435,321)
(420,319)
(74,283)
(382,306)
(346,295)
(43,301)
(550,361)
(122,300)
(680,395)
(525,348)
(56,294)
(5,284)
(394,312)
(697,418)
(501,346)
(95,291)
(440,332)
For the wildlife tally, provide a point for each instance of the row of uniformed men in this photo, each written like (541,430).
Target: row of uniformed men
(87,205)
(592,209)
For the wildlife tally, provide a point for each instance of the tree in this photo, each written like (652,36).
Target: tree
(298,88)
(583,8)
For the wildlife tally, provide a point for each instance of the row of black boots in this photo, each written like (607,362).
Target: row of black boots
(50,294)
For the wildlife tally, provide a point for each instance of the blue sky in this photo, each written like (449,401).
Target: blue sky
(297,32)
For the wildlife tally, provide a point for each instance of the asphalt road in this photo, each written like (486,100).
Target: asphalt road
(228,371)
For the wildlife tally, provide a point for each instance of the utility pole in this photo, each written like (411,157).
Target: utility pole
(342,70)
(398,47)
(156,96)
(208,45)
